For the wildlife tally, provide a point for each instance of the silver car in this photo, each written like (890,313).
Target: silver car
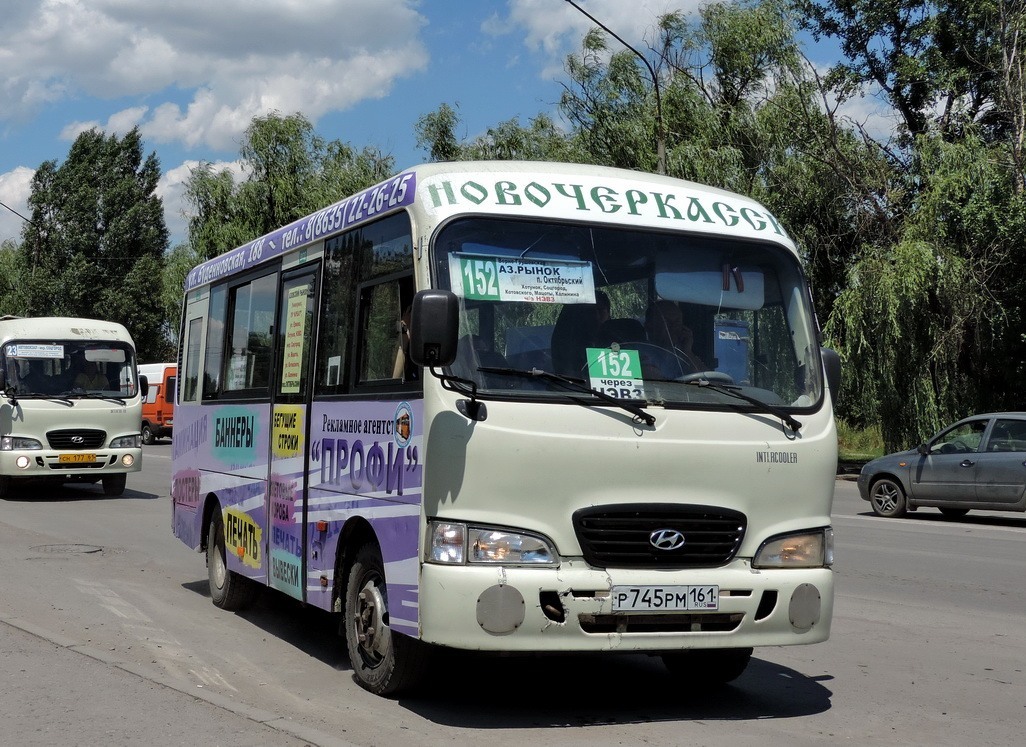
(979,462)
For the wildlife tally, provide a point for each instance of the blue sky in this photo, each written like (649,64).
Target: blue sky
(192,74)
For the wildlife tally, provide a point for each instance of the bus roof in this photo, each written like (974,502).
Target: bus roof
(62,328)
(546,190)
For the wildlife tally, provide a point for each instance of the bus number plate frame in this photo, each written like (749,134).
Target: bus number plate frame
(82,458)
(666,598)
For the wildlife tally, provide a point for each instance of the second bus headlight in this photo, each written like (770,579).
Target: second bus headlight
(453,543)
(18,443)
(126,442)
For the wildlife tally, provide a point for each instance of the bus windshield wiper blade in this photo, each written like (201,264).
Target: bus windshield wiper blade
(573,385)
(735,391)
(109,397)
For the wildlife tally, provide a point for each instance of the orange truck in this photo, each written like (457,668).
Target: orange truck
(158,407)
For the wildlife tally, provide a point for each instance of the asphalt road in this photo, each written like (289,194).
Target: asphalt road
(108,636)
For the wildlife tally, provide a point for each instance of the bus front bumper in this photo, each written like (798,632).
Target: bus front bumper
(571,608)
(46,463)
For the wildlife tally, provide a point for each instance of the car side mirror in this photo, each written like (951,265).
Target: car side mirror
(923,449)
(434,328)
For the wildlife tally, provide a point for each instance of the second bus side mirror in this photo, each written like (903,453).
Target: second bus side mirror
(144,385)
(434,328)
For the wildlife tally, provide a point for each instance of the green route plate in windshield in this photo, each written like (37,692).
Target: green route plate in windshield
(616,372)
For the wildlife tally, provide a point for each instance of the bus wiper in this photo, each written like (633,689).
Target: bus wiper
(573,385)
(108,397)
(732,390)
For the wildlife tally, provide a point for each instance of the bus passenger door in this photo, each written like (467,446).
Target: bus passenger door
(286,481)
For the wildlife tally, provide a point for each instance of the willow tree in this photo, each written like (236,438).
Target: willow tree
(288,171)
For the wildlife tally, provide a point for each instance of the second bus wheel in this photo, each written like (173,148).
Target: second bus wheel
(114,484)
(147,434)
(228,589)
(385,663)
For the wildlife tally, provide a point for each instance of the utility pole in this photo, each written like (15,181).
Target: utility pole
(660,133)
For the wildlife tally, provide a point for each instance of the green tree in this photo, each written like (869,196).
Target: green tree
(94,246)
(290,172)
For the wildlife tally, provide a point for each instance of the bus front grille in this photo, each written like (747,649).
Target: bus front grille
(659,535)
(663,623)
(71,439)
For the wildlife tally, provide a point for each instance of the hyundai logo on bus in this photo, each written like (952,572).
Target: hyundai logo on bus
(666,539)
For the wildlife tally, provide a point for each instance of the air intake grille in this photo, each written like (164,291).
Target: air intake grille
(620,536)
(76,438)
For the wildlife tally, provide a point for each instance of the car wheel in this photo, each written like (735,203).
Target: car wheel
(385,663)
(887,498)
(716,666)
(147,434)
(954,513)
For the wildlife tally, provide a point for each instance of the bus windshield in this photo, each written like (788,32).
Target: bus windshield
(659,318)
(69,368)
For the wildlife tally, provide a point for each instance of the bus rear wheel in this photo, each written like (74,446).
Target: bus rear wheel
(384,663)
(701,666)
(228,590)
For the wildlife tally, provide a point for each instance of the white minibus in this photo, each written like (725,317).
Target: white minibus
(69,402)
(516,407)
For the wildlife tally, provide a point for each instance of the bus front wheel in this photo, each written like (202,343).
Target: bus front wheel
(228,590)
(384,663)
(114,484)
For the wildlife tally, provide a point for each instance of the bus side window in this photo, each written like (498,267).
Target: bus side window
(216,319)
(247,369)
(190,392)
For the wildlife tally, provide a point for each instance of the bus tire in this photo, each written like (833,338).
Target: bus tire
(384,663)
(5,486)
(704,666)
(147,434)
(114,484)
(228,590)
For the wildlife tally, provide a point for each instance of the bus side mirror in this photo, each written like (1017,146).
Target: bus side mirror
(832,366)
(144,385)
(434,327)
(3,380)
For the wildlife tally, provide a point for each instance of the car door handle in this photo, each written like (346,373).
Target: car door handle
(967,463)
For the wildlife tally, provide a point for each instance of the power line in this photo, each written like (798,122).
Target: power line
(8,207)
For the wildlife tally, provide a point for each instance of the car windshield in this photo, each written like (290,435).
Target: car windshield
(69,368)
(636,314)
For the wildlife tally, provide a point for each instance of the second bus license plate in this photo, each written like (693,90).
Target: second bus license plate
(76,458)
(665,598)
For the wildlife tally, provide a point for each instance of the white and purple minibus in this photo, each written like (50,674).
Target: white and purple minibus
(515,407)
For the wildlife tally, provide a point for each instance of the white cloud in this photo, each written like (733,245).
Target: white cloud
(555,27)
(15,188)
(206,69)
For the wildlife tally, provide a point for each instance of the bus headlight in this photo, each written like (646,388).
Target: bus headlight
(126,442)
(813,549)
(17,443)
(453,543)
